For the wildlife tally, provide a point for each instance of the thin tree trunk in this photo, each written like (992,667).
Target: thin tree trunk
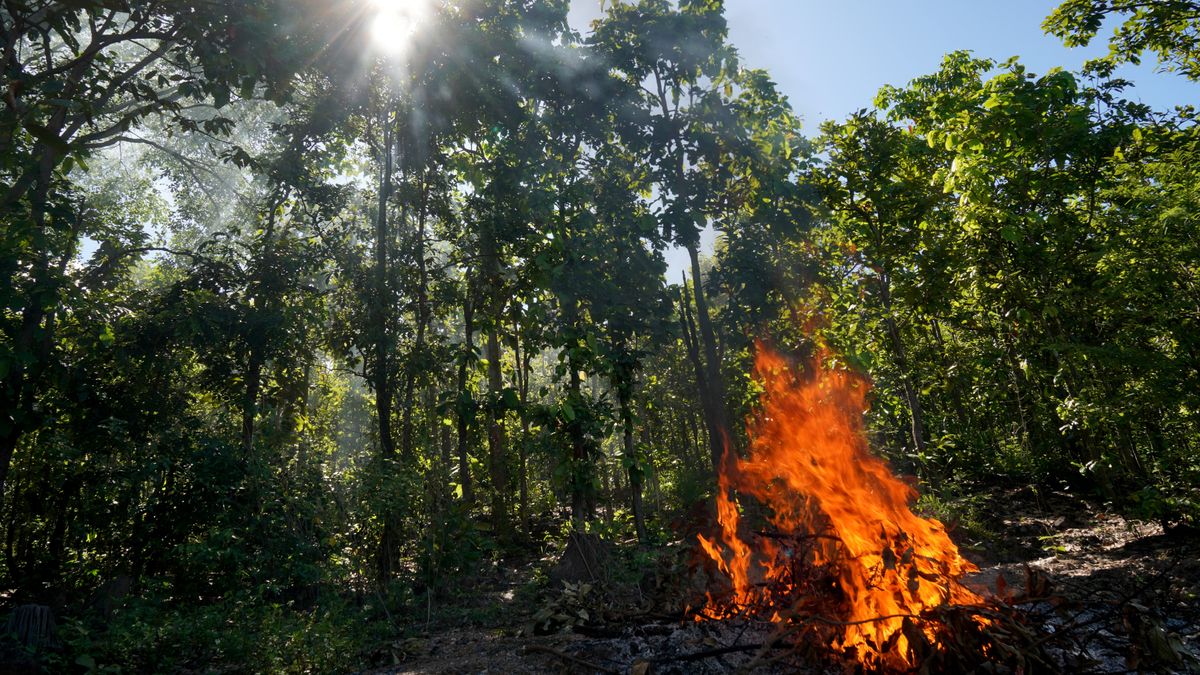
(633,460)
(382,379)
(416,362)
(697,435)
(521,375)
(445,447)
(382,373)
(717,419)
(655,490)
(911,394)
(256,333)
(607,489)
(56,546)
(464,407)
(580,512)
(686,440)
(8,445)
(498,464)
(581,470)
(250,399)
(712,392)
(594,460)
(960,410)
(497,461)
(708,400)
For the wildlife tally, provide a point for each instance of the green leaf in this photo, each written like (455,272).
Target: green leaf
(510,399)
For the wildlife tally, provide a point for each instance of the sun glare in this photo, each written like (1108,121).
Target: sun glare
(395,22)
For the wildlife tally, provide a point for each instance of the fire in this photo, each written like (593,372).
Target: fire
(846,551)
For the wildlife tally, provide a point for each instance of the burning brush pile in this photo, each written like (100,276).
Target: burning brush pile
(815,563)
(844,566)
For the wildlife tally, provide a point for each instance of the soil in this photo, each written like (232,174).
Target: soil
(1116,595)
(1133,586)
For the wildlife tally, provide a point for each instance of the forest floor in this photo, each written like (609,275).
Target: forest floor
(1125,599)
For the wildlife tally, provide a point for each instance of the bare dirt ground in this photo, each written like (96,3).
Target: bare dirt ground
(1127,590)
(1110,595)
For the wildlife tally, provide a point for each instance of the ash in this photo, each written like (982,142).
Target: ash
(689,647)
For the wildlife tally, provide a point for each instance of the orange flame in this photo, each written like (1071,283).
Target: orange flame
(836,509)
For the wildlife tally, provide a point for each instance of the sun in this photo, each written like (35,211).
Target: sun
(396,21)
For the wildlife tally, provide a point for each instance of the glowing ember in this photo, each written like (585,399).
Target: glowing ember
(846,552)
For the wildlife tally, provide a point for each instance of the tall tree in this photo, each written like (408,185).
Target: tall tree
(81,75)
(681,55)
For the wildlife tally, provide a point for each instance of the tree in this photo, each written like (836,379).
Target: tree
(876,185)
(701,142)
(1168,28)
(81,75)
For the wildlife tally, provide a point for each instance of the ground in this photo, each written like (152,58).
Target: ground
(1116,595)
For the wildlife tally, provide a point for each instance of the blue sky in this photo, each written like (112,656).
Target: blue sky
(831,57)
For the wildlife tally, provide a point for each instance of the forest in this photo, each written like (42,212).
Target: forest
(336,336)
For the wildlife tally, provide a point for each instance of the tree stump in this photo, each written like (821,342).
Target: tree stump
(586,560)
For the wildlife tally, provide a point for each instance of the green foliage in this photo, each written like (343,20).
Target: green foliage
(979,228)
(1165,28)
(241,633)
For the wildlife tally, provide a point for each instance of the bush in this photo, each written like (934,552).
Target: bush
(238,634)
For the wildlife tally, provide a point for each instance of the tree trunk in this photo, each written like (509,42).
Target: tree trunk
(254,368)
(633,460)
(521,375)
(417,360)
(445,448)
(8,445)
(497,461)
(19,393)
(382,379)
(464,406)
(581,469)
(382,372)
(712,393)
(960,410)
(911,393)
(580,474)
(655,486)
(709,403)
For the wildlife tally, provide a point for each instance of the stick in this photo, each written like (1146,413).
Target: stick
(796,536)
(710,653)
(570,659)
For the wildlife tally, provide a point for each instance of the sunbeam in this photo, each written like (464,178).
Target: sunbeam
(396,21)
